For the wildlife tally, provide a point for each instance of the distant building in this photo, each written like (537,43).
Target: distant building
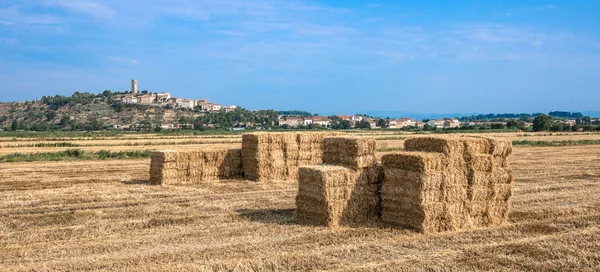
(321,120)
(186,103)
(406,122)
(134,86)
(451,123)
(438,123)
(176,100)
(569,122)
(216,107)
(230,108)
(292,121)
(372,123)
(344,117)
(207,106)
(163,97)
(201,103)
(146,99)
(356,118)
(308,121)
(129,99)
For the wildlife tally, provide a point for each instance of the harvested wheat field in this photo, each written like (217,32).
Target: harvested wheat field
(103,215)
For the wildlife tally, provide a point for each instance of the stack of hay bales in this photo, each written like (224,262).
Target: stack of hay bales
(191,167)
(343,191)
(264,155)
(277,156)
(323,194)
(352,152)
(443,184)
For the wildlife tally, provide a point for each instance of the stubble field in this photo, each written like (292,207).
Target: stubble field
(102,215)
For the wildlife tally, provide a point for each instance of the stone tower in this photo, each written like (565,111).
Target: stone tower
(134,87)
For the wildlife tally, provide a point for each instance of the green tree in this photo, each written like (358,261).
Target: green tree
(51,114)
(381,123)
(586,120)
(15,125)
(518,124)
(556,127)
(542,122)
(498,126)
(363,124)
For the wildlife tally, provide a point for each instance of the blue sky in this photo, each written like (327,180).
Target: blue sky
(321,56)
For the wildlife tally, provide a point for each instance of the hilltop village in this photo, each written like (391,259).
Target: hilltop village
(137,110)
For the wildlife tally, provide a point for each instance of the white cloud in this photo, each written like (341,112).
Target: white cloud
(85,7)
(9,41)
(13,15)
(546,7)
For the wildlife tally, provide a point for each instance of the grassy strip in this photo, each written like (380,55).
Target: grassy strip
(390,149)
(68,144)
(64,139)
(75,154)
(555,143)
(389,138)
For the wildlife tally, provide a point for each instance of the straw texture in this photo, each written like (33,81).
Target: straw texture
(352,152)
(334,195)
(277,156)
(447,184)
(191,167)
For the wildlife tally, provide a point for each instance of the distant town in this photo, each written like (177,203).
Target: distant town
(137,110)
(165,99)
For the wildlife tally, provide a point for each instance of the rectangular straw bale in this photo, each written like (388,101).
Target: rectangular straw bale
(189,167)
(500,147)
(322,194)
(415,161)
(266,156)
(352,146)
(351,152)
(455,146)
(499,176)
(483,162)
(355,162)
(370,175)
(447,145)
(330,196)
(263,153)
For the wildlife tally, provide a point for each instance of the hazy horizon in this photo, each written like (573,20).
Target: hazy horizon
(318,56)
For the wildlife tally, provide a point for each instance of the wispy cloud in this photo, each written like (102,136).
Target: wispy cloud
(546,7)
(86,7)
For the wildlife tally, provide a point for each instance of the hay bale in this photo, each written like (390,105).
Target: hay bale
(447,184)
(334,195)
(353,152)
(190,167)
(415,161)
(158,161)
(418,193)
(264,155)
(277,156)
(448,146)
(454,146)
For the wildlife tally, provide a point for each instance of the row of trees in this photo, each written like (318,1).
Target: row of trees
(545,122)
(521,116)
(236,118)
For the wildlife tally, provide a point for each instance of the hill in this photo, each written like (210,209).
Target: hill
(84,111)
